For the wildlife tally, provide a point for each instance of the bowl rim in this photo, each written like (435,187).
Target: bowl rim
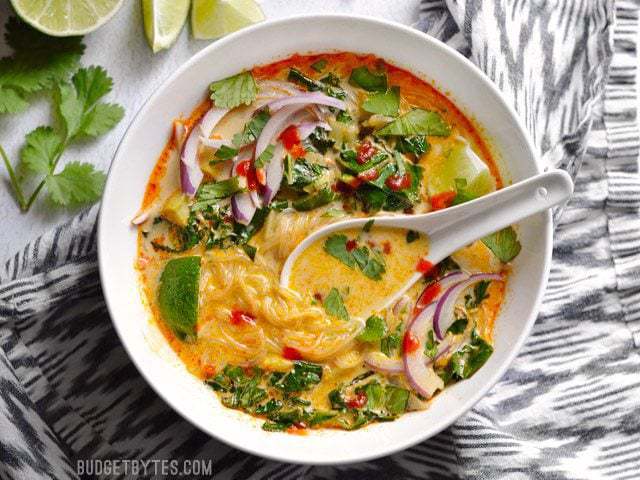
(547,226)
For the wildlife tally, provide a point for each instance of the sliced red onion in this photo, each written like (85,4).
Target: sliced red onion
(276,88)
(214,142)
(381,363)
(255,198)
(140,218)
(190,173)
(422,377)
(306,128)
(274,172)
(443,316)
(445,282)
(211,119)
(275,126)
(242,205)
(306,98)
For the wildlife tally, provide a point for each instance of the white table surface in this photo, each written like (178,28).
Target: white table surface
(121,48)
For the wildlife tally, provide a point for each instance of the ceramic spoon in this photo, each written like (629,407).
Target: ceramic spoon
(453,228)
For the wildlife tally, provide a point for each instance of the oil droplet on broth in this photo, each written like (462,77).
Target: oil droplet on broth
(316,272)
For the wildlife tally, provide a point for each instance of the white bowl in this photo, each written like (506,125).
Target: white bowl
(143,142)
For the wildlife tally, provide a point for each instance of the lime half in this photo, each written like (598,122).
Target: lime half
(178,296)
(163,21)
(216,18)
(65,18)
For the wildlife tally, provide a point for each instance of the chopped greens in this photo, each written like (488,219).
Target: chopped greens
(318,141)
(458,326)
(370,81)
(252,129)
(225,153)
(314,200)
(374,330)
(416,122)
(412,236)
(302,173)
(479,294)
(334,305)
(371,264)
(383,103)
(296,76)
(319,65)
(417,145)
(504,244)
(431,345)
(391,343)
(336,246)
(468,360)
(265,157)
(210,193)
(233,91)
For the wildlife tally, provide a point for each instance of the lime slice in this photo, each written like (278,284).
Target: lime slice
(178,296)
(459,162)
(163,21)
(64,18)
(216,18)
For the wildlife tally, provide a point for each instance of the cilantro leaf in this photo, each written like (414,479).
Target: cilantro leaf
(265,157)
(39,150)
(383,103)
(431,345)
(336,246)
(372,266)
(374,330)
(370,81)
(468,360)
(78,103)
(504,244)
(417,122)
(334,305)
(458,326)
(225,153)
(416,145)
(37,63)
(209,193)
(77,183)
(390,343)
(479,294)
(233,91)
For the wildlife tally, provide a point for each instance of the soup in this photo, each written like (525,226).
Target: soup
(273,154)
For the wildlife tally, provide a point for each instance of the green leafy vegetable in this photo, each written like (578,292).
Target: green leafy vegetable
(371,265)
(303,376)
(383,103)
(82,114)
(416,145)
(336,246)
(412,236)
(319,141)
(479,294)
(370,81)
(319,65)
(334,305)
(250,250)
(300,78)
(431,345)
(233,91)
(301,173)
(348,159)
(462,194)
(468,360)
(396,400)
(226,153)
(211,192)
(368,226)
(416,122)
(391,343)
(265,157)
(458,326)
(38,63)
(252,129)
(374,330)
(315,200)
(344,117)
(504,244)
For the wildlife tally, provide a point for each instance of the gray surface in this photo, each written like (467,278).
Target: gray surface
(121,48)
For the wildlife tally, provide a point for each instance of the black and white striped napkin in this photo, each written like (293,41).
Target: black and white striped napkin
(568,407)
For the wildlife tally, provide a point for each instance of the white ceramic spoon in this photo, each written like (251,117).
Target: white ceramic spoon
(451,229)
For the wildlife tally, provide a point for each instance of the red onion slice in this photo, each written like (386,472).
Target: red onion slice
(190,173)
(422,377)
(275,126)
(445,282)
(306,98)
(274,172)
(242,208)
(381,363)
(443,316)
(140,218)
(306,128)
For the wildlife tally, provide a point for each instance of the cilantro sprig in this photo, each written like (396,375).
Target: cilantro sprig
(82,114)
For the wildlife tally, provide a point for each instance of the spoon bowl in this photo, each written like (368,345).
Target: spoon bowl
(451,229)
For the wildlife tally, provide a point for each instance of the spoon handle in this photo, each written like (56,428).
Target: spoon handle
(454,228)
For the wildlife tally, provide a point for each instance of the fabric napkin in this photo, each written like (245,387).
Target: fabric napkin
(567,408)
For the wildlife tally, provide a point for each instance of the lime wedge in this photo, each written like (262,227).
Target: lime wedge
(459,162)
(65,18)
(216,18)
(178,296)
(163,21)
